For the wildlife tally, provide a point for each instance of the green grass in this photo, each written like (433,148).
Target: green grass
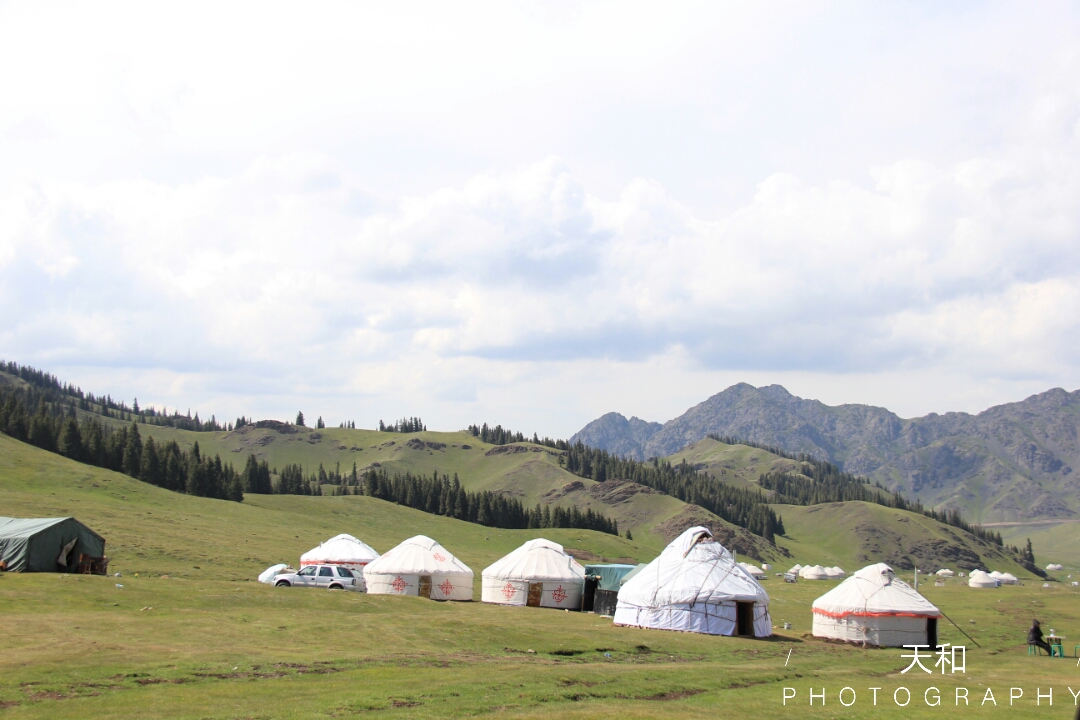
(212,643)
(528,476)
(153,530)
(854,534)
(1053,542)
(739,465)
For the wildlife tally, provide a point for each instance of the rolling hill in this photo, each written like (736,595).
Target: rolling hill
(531,473)
(151,530)
(1012,462)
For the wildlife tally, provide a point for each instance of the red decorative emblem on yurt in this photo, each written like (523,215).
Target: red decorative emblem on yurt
(447,587)
(509,591)
(439,557)
(558,594)
(398,584)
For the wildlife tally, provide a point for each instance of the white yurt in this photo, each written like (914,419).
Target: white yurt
(839,571)
(537,574)
(874,607)
(797,569)
(980,579)
(813,572)
(945,573)
(342,550)
(695,585)
(755,572)
(997,576)
(420,566)
(834,573)
(1054,566)
(267,576)
(1008,579)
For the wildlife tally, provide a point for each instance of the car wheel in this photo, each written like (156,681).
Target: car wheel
(283,583)
(336,587)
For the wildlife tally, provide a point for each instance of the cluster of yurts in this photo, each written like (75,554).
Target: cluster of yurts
(695,585)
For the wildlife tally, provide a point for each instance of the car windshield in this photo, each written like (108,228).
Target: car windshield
(344,572)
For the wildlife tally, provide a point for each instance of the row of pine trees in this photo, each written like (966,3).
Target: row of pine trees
(25,416)
(443,495)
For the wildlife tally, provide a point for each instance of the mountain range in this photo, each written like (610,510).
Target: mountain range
(1012,462)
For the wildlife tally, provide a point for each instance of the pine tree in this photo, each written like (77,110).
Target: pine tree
(319,424)
(300,419)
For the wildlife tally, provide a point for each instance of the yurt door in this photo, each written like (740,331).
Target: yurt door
(744,618)
(425,586)
(588,596)
(931,632)
(536,591)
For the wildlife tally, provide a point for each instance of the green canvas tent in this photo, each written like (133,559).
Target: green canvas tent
(50,545)
(602,587)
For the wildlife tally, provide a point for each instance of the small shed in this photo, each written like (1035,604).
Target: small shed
(51,545)
(602,584)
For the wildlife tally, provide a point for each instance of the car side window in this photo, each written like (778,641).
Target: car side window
(326,572)
(307,572)
(344,572)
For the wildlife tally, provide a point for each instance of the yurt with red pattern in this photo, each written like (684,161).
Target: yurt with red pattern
(874,607)
(420,567)
(538,574)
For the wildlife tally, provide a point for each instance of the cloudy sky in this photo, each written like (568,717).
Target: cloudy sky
(535,213)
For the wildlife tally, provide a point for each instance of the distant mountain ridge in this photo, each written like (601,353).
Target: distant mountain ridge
(1011,462)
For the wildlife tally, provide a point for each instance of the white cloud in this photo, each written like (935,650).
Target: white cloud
(523,214)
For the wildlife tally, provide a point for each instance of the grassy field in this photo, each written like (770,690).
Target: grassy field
(208,642)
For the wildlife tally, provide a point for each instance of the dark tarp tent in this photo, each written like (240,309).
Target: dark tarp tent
(602,587)
(50,545)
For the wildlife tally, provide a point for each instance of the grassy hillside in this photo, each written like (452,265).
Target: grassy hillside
(526,471)
(855,534)
(740,465)
(1053,542)
(153,530)
(208,642)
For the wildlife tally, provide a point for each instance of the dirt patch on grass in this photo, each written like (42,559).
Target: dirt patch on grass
(590,557)
(552,495)
(671,695)
(614,492)
(405,703)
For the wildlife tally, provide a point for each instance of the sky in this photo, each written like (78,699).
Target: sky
(535,213)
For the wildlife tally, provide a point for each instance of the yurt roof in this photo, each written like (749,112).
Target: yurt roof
(796,568)
(752,569)
(340,548)
(537,559)
(874,591)
(979,578)
(996,575)
(945,572)
(813,572)
(693,568)
(419,555)
(1054,566)
(1008,577)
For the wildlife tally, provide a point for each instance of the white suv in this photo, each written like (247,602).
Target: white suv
(333,577)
